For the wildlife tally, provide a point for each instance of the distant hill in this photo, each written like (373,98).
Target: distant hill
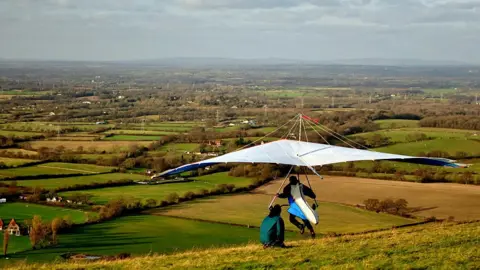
(283,61)
(219,62)
(446,246)
(398,62)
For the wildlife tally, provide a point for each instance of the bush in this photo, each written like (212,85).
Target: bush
(172,198)
(372,204)
(151,203)
(189,195)
(397,207)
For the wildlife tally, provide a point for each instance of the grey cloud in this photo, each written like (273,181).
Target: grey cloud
(308,29)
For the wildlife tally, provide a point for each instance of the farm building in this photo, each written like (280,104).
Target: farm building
(216,143)
(13,228)
(3,200)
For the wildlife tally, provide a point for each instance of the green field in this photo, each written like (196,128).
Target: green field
(180,147)
(249,209)
(142,234)
(79,180)
(433,246)
(400,135)
(452,146)
(18,134)
(173,127)
(54,168)
(51,126)
(396,123)
(15,161)
(22,211)
(159,192)
(140,132)
(24,92)
(132,138)
(90,146)
(95,157)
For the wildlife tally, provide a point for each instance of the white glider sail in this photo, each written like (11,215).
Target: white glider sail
(300,153)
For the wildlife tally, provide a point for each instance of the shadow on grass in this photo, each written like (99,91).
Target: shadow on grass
(421,208)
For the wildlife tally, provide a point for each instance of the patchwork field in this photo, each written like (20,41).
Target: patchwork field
(451,146)
(400,135)
(108,146)
(54,168)
(18,134)
(132,138)
(180,147)
(438,199)
(22,211)
(51,126)
(140,132)
(159,192)
(15,161)
(53,183)
(397,123)
(18,151)
(250,209)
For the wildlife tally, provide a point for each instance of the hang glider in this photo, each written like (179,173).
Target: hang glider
(300,153)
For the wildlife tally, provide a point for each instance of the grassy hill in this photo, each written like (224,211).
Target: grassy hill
(445,246)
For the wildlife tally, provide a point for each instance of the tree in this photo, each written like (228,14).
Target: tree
(6,237)
(151,202)
(372,204)
(37,231)
(56,226)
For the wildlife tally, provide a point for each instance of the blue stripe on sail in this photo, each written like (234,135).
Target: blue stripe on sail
(186,168)
(429,161)
(294,209)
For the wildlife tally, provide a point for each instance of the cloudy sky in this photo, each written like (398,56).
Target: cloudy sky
(293,29)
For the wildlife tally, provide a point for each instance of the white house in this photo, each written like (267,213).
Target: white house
(3,200)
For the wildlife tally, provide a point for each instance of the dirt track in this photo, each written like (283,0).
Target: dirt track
(438,199)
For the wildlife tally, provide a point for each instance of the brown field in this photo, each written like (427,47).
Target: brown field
(72,138)
(438,199)
(108,146)
(18,150)
(250,209)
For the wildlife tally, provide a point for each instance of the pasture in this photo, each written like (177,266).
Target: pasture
(23,211)
(18,151)
(140,132)
(396,123)
(53,183)
(437,199)
(142,234)
(15,161)
(160,192)
(172,127)
(132,138)
(400,135)
(73,138)
(182,147)
(51,126)
(18,134)
(90,146)
(250,209)
(54,168)
(451,146)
